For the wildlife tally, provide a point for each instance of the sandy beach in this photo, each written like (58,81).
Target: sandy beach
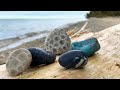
(36,40)
(98,24)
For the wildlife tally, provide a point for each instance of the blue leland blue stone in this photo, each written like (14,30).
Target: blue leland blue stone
(73,59)
(40,56)
(88,46)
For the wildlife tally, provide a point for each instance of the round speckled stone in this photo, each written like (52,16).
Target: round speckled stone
(40,56)
(18,61)
(73,59)
(57,42)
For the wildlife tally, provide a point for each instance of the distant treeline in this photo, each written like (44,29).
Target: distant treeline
(102,13)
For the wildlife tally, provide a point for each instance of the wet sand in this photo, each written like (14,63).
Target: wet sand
(98,24)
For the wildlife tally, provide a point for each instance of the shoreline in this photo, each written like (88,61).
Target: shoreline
(28,40)
(67,27)
(9,41)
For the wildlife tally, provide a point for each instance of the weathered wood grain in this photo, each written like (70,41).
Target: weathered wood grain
(103,65)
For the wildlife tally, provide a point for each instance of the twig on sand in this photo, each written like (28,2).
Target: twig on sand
(80,31)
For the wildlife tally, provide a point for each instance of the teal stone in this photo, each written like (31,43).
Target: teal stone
(88,46)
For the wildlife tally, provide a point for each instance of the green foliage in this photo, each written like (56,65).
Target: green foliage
(102,14)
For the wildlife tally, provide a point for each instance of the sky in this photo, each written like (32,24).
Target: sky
(42,14)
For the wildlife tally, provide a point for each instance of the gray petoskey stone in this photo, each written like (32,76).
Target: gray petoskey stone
(57,42)
(18,61)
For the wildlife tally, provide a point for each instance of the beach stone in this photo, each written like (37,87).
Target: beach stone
(40,56)
(2,59)
(89,46)
(2,56)
(73,59)
(18,61)
(8,52)
(57,42)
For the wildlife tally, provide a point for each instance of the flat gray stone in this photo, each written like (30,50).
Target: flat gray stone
(18,61)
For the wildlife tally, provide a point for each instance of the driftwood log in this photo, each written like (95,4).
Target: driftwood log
(103,65)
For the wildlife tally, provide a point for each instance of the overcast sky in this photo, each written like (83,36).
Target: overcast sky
(42,14)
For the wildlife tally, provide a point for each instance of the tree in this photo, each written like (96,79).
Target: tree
(102,13)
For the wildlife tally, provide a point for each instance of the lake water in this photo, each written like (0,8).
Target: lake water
(10,28)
